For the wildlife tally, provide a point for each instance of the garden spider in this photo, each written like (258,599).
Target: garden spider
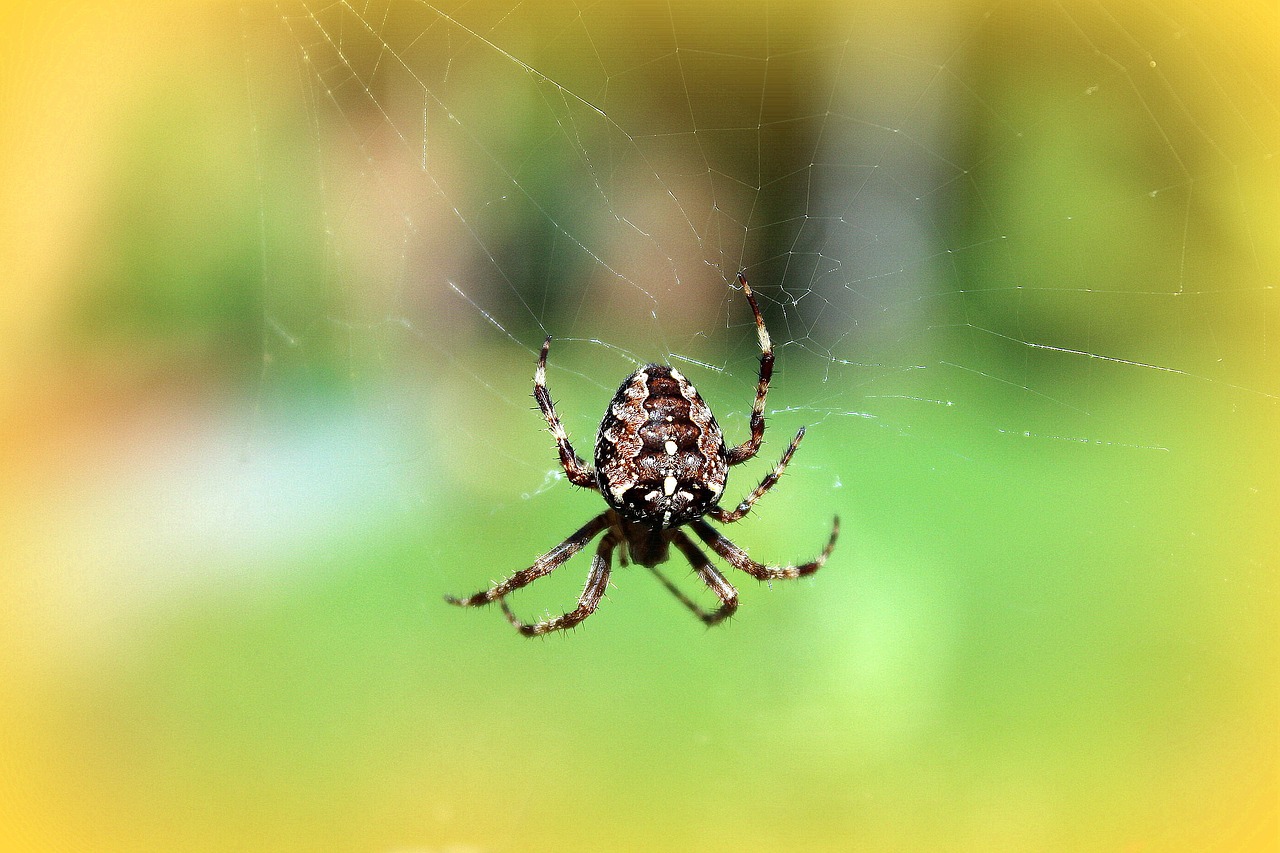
(661,464)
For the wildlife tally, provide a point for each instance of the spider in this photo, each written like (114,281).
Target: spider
(661,464)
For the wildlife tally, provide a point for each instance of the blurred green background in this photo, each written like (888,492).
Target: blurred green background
(276,279)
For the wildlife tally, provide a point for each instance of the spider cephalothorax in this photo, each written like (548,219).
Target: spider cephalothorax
(661,464)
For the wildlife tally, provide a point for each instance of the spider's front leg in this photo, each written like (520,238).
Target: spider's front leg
(713,579)
(544,565)
(738,558)
(578,471)
(597,581)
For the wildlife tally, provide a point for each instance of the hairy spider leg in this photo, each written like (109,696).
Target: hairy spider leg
(738,558)
(710,576)
(597,581)
(725,517)
(544,565)
(578,471)
(749,448)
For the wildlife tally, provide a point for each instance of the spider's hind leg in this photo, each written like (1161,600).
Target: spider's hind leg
(749,448)
(578,471)
(729,516)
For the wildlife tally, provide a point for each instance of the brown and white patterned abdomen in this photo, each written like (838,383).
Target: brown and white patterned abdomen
(660,456)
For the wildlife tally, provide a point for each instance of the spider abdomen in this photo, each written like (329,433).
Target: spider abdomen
(660,455)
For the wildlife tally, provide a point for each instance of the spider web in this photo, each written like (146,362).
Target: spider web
(1018,262)
(976,229)
(941,209)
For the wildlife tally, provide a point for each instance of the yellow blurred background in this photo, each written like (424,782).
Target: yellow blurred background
(274,280)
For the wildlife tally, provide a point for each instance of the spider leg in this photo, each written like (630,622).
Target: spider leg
(738,558)
(597,581)
(749,448)
(710,576)
(766,484)
(544,565)
(578,471)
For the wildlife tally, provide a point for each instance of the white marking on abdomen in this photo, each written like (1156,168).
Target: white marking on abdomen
(669,486)
(671,447)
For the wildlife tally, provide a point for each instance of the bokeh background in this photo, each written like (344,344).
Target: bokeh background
(274,280)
